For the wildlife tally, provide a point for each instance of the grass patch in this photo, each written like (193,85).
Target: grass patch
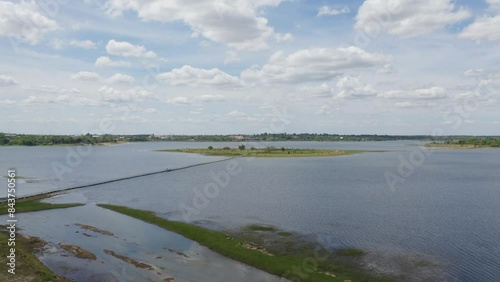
(423,263)
(28,267)
(350,252)
(233,247)
(29,205)
(269,152)
(255,227)
(15,177)
(285,233)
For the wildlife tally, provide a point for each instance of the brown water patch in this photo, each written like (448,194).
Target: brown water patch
(177,252)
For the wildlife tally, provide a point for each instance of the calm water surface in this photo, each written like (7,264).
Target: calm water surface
(448,208)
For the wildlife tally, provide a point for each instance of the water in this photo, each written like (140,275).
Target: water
(54,167)
(134,239)
(448,208)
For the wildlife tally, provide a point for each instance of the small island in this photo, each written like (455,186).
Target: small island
(268,152)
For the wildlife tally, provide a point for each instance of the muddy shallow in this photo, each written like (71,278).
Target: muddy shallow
(134,244)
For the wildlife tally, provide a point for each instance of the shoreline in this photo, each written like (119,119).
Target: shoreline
(458,146)
(279,252)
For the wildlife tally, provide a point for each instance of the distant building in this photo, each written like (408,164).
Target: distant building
(238,138)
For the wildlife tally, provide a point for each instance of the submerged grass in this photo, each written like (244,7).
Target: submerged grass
(278,264)
(255,227)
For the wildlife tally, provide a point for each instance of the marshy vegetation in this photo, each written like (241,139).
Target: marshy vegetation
(268,152)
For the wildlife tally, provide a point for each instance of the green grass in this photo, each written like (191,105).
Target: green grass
(267,153)
(279,264)
(459,146)
(30,205)
(350,252)
(285,233)
(255,227)
(15,177)
(28,267)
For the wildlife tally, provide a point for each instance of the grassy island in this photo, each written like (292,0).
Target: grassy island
(269,152)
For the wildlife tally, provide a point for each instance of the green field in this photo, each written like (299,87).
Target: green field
(266,152)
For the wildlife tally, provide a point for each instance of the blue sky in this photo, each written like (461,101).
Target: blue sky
(224,67)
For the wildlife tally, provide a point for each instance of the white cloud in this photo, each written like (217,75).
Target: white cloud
(235,23)
(327,11)
(386,69)
(110,94)
(474,72)
(85,75)
(236,114)
(188,75)
(408,18)
(24,21)
(7,80)
(44,88)
(57,44)
(283,37)
(483,28)
(7,102)
(196,100)
(316,91)
(107,62)
(211,98)
(120,78)
(413,104)
(324,110)
(126,49)
(150,110)
(231,56)
(63,100)
(84,44)
(314,64)
(494,5)
(179,101)
(432,93)
(352,87)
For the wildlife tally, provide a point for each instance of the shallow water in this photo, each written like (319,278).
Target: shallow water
(448,208)
(132,238)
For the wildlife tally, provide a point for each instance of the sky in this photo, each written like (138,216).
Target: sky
(427,67)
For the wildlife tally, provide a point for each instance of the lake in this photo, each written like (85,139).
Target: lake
(447,208)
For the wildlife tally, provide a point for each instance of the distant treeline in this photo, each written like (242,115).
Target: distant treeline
(39,140)
(89,139)
(476,141)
